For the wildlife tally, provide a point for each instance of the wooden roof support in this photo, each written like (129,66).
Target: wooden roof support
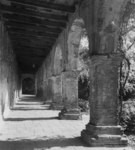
(45,5)
(33,32)
(21,10)
(28,47)
(34,36)
(33,20)
(47,40)
(27,43)
(15,24)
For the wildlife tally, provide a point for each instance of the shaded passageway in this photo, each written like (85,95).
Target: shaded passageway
(41,52)
(31,126)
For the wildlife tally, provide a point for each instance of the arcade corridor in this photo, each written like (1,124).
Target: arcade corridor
(42,52)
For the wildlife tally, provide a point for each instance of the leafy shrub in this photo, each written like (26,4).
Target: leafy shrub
(128,116)
(84,105)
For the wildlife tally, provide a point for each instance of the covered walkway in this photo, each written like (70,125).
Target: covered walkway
(45,46)
(31,126)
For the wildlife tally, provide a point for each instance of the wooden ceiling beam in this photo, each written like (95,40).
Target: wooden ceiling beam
(33,20)
(35,40)
(29,50)
(48,39)
(18,25)
(22,51)
(31,31)
(45,5)
(28,47)
(31,42)
(29,55)
(21,10)
(51,36)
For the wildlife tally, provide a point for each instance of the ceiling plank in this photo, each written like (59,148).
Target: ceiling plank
(27,43)
(33,32)
(32,42)
(28,30)
(33,20)
(18,25)
(30,54)
(21,10)
(32,39)
(28,47)
(45,5)
(27,35)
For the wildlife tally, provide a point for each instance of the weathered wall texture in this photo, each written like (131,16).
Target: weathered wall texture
(8,73)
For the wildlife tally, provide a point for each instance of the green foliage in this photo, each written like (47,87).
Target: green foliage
(83,67)
(84,105)
(127,73)
(127,79)
(128,116)
(83,59)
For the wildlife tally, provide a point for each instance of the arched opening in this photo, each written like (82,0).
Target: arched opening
(75,65)
(28,86)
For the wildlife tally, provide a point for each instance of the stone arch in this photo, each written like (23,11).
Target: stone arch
(73,42)
(58,60)
(28,84)
(70,76)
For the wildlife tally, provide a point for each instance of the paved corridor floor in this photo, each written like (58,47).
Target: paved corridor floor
(31,126)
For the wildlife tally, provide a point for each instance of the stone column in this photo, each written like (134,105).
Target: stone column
(57,101)
(70,96)
(103,128)
(49,91)
(45,84)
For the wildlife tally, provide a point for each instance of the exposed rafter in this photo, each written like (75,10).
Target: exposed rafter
(33,20)
(33,32)
(20,9)
(14,24)
(45,5)
(16,34)
(32,39)
(28,47)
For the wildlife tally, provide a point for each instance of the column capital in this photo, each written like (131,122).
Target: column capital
(114,59)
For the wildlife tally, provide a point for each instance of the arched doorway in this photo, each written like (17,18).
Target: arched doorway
(71,74)
(28,86)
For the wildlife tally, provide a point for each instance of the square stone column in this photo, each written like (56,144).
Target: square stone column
(45,86)
(70,96)
(103,128)
(49,90)
(57,101)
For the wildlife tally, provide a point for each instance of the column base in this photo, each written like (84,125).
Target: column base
(110,136)
(70,114)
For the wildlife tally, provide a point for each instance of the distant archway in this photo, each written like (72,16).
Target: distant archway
(78,57)
(28,86)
